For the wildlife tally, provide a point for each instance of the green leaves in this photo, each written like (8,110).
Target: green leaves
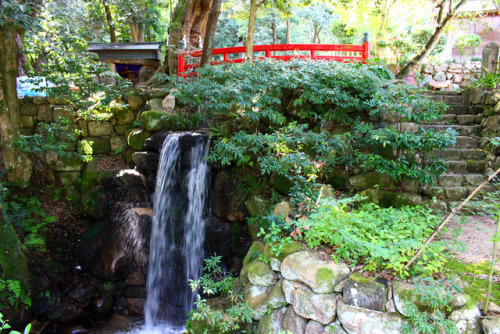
(376,237)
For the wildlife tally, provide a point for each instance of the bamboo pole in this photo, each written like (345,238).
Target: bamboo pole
(448,218)
(492,269)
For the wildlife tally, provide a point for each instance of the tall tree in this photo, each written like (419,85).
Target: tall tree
(187,24)
(447,11)
(109,18)
(15,17)
(208,43)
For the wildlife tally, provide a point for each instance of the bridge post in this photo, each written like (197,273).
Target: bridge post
(366,47)
(180,65)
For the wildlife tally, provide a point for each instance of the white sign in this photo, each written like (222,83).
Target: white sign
(32,86)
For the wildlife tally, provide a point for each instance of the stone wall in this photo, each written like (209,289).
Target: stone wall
(449,76)
(304,291)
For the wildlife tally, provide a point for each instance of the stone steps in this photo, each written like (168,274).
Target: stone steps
(452,119)
(462,130)
(454,187)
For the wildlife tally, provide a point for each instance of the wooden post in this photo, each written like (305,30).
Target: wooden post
(366,48)
(313,54)
(180,65)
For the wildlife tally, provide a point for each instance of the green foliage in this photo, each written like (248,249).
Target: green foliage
(277,111)
(20,14)
(376,237)
(4,326)
(12,294)
(277,234)
(27,216)
(227,317)
(466,44)
(487,80)
(436,296)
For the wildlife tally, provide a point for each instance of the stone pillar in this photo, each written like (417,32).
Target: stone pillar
(490,58)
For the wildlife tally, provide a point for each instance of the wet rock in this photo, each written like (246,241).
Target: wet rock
(292,322)
(271,323)
(155,142)
(135,278)
(363,321)
(98,129)
(226,205)
(136,138)
(256,206)
(131,178)
(369,293)
(102,306)
(156,120)
(135,101)
(218,237)
(277,297)
(83,292)
(320,275)
(136,306)
(66,313)
(120,304)
(307,304)
(146,161)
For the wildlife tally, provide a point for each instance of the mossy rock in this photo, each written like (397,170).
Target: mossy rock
(96,202)
(282,184)
(72,195)
(137,138)
(259,273)
(287,249)
(100,145)
(124,116)
(282,209)
(69,164)
(254,252)
(370,293)
(89,181)
(156,120)
(257,206)
(386,199)
(370,180)
(124,129)
(68,178)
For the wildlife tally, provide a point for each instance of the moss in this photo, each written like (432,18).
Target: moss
(360,279)
(324,275)
(155,120)
(100,145)
(474,287)
(137,138)
(255,250)
(287,249)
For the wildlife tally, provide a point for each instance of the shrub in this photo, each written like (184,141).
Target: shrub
(277,111)
(376,237)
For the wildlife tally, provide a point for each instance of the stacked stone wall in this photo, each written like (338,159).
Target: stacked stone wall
(452,76)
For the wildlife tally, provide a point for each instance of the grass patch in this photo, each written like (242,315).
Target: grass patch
(474,287)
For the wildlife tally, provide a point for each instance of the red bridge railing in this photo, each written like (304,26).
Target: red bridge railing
(363,52)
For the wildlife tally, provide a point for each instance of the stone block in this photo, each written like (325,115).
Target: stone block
(100,145)
(118,143)
(475,166)
(455,99)
(63,111)
(457,166)
(455,193)
(44,113)
(97,129)
(360,320)
(466,119)
(29,109)
(451,180)
(68,178)
(470,153)
(450,154)
(364,292)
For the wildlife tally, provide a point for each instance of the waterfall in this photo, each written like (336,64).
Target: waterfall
(176,249)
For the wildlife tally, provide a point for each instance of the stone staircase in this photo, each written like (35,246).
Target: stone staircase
(467,161)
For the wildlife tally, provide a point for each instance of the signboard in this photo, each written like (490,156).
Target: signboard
(32,86)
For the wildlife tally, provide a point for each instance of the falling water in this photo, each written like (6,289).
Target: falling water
(176,250)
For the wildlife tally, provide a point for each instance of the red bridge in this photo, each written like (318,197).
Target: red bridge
(336,52)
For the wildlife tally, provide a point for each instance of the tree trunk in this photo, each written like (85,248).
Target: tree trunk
(188,21)
(273,28)
(18,165)
(111,24)
(133,32)
(288,32)
(431,43)
(208,43)
(254,6)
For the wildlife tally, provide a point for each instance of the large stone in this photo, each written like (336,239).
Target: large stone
(396,199)
(100,145)
(124,116)
(137,138)
(254,252)
(492,98)
(257,206)
(256,298)
(365,292)
(489,58)
(491,325)
(358,320)
(334,328)
(259,273)
(492,123)
(277,297)
(156,103)
(155,120)
(135,101)
(292,322)
(29,109)
(282,209)
(369,180)
(102,306)
(314,327)
(69,178)
(155,93)
(320,275)
(69,164)
(97,129)
(118,143)
(307,304)
(467,319)
(439,77)
(285,250)
(168,103)
(271,323)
